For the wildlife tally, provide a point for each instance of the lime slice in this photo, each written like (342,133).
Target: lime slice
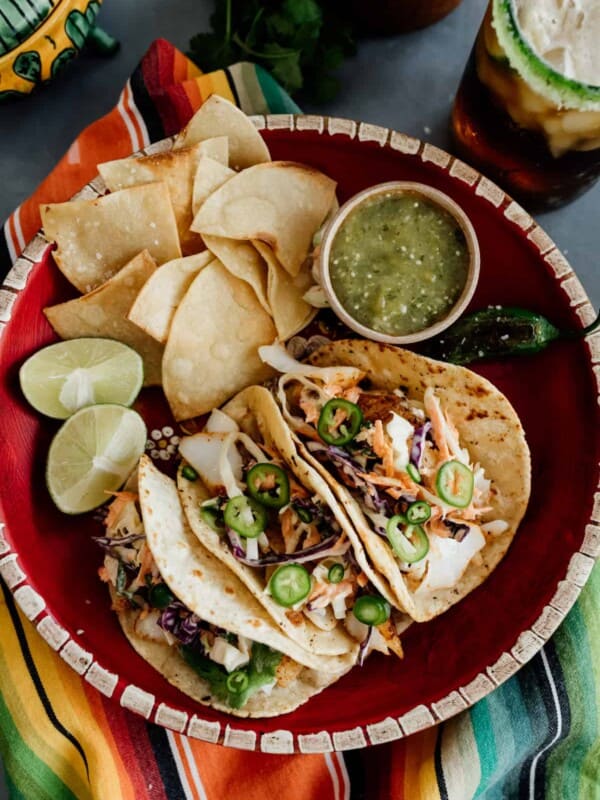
(64,377)
(539,74)
(93,453)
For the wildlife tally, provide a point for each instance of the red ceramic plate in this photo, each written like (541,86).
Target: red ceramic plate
(50,563)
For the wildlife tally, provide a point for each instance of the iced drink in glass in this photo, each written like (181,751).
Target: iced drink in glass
(527,112)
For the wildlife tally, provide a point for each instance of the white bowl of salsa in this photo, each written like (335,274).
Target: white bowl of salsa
(399,262)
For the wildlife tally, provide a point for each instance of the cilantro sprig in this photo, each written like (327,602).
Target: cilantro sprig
(300,42)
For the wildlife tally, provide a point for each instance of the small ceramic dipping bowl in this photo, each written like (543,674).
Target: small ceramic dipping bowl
(449,250)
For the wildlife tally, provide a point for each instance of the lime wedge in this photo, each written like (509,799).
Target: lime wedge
(93,453)
(64,377)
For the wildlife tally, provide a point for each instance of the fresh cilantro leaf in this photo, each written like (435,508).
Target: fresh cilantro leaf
(286,70)
(301,42)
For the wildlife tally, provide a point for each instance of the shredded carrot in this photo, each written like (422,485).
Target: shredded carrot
(362,580)
(434,411)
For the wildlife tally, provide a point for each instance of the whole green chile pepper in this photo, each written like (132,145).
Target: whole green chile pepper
(496,332)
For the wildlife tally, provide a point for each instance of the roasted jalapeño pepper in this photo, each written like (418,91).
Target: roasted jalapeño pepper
(339,428)
(497,331)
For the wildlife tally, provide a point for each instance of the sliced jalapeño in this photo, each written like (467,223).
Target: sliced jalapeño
(419,512)
(290,584)
(245,516)
(409,542)
(370,609)
(268,484)
(336,573)
(454,484)
(339,421)
(413,473)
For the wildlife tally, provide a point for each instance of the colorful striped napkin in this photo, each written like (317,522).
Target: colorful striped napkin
(536,736)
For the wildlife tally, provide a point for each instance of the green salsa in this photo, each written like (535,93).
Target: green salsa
(398,263)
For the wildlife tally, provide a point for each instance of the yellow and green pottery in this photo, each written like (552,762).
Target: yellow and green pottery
(39,37)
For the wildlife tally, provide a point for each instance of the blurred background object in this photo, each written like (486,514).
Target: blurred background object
(387,17)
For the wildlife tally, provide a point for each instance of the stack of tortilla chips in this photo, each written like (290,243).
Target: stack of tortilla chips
(196,257)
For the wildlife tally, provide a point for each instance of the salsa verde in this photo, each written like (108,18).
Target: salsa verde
(399,263)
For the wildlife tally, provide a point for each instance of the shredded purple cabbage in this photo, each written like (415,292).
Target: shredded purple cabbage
(348,470)
(236,544)
(458,529)
(325,548)
(418,444)
(108,543)
(183,624)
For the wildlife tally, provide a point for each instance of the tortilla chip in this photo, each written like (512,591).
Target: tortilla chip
(157,301)
(177,170)
(219,117)
(103,313)
(281,204)
(95,238)
(211,351)
(289,310)
(210,175)
(243,261)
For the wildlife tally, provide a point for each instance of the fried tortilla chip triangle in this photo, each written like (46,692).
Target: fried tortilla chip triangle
(219,117)
(159,297)
(211,352)
(178,170)
(95,238)
(103,312)
(285,295)
(280,203)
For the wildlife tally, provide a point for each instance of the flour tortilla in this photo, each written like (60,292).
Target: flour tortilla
(257,414)
(211,352)
(212,592)
(178,170)
(95,238)
(155,305)
(488,427)
(280,203)
(219,117)
(103,313)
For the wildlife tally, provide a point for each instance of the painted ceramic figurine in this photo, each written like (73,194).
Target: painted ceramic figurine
(39,37)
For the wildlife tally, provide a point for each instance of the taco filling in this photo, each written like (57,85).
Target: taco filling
(234,667)
(285,534)
(402,461)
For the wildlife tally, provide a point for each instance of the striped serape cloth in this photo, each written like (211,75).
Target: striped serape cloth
(537,736)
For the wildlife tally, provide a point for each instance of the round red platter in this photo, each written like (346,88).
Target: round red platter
(50,563)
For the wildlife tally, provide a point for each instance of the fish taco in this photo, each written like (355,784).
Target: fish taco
(189,616)
(429,460)
(275,523)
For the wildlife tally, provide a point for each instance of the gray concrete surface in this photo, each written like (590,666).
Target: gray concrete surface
(403,82)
